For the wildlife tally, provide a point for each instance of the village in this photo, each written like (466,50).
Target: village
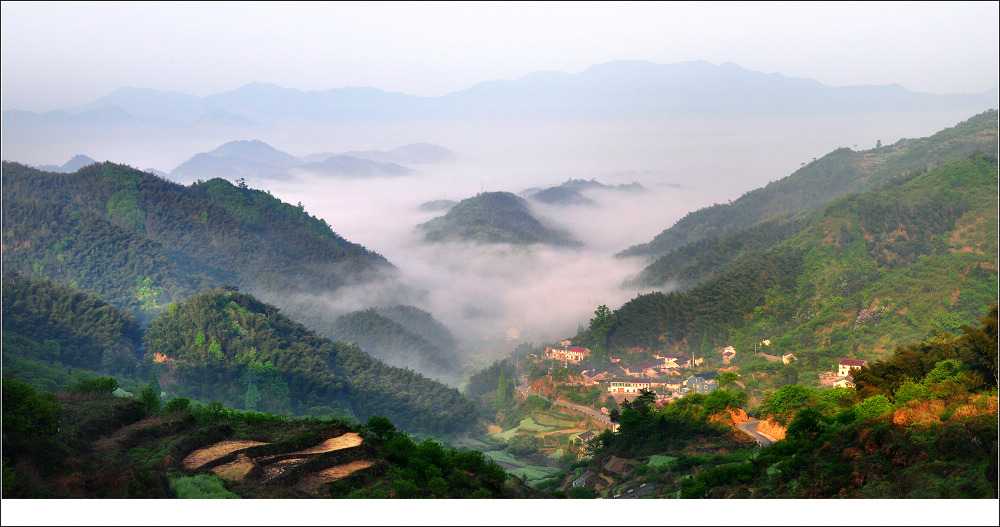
(672,375)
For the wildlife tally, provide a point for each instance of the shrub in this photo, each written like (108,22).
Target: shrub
(98,386)
(909,391)
(177,404)
(202,486)
(872,407)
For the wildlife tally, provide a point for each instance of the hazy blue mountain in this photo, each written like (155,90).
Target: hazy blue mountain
(618,88)
(258,151)
(252,160)
(411,154)
(167,105)
(77,162)
(207,166)
(438,205)
(348,166)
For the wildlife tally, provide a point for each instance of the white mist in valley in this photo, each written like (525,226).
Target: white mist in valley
(483,291)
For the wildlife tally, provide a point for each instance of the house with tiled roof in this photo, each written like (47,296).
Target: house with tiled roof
(727,354)
(673,383)
(620,385)
(643,369)
(844,382)
(702,383)
(574,354)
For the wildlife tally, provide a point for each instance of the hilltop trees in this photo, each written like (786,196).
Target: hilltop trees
(600,326)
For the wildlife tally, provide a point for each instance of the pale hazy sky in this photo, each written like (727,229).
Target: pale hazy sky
(59,55)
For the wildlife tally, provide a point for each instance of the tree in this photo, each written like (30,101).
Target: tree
(150,397)
(726,378)
(382,427)
(789,398)
(600,325)
(502,385)
(807,424)
(706,345)
(614,415)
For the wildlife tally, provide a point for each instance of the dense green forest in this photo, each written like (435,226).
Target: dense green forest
(385,339)
(217,346)
(493,217)
(54,335)
(160,241)
(871,269)
(821,182)
(145,244)
(231,347)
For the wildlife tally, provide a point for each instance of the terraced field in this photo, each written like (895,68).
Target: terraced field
(314,462)
(312,482)
(202,456)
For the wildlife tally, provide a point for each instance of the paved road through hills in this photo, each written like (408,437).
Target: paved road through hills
(750,427)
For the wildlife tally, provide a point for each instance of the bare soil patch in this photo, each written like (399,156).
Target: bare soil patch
(347,440)
(204,455)
(311,482)
(235,470)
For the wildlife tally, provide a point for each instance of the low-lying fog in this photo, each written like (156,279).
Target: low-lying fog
(481,292)
(543,293)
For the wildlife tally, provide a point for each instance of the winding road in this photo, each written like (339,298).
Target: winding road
(750,427)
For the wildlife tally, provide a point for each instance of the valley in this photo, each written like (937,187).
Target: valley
(579,333)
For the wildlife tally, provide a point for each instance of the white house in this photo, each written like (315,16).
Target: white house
(847,365)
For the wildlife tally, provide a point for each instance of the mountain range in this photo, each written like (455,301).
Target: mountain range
(147,124)
(258,161)
(619,88)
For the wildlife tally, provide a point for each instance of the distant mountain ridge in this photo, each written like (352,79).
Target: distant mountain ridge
(76,163)
(256,161)
(620,88)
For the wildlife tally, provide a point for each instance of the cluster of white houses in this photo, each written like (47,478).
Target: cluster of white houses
(663,373)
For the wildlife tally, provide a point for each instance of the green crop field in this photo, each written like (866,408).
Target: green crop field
(503,457)
(659,461)
(529,425)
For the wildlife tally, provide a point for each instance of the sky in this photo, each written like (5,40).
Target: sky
(59,55)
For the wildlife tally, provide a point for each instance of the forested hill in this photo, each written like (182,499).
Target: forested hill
(141,241)
(823,181)
(493,217)
(390,341)
(228,346)
(870,271)
(49,329)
